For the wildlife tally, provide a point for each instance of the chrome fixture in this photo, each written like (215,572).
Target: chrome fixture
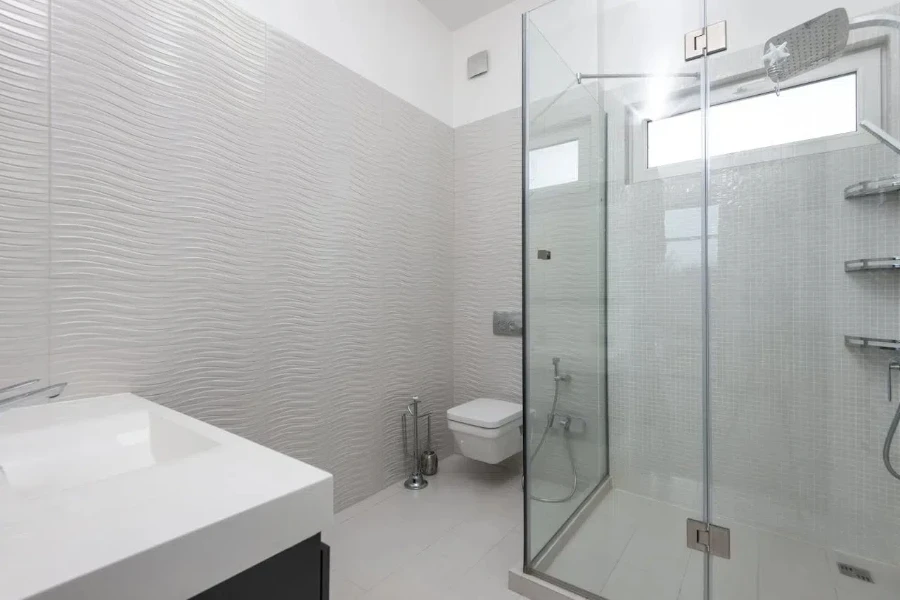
(883,136)
(815,43)
(869,342)
(428,460)
(416,481)
(706,41)
(881,188)
(508,323)
(50,391)
(894,365)
(580,77)
(566,423)
(557,376)
(873,264)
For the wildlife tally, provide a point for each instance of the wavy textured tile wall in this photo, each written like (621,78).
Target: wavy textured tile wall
(240,228)
(24,207)
(487,258)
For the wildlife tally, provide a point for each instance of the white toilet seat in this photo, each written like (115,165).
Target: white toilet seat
(487,430)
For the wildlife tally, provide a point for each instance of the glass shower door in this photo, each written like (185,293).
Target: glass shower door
(613,273)
(804,222)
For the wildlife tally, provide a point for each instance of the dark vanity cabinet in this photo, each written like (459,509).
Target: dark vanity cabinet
(298,573)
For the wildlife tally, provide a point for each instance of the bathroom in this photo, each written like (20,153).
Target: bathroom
(625,270)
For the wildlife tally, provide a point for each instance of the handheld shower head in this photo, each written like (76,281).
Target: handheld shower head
(807,46)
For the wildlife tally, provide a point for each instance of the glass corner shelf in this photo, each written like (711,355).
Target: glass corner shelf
(886,188)
(873,264)
(859,341)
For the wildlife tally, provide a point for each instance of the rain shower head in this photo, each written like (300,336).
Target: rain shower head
(807,46)
(815,43)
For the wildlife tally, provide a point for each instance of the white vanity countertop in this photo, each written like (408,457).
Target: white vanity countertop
(118,498)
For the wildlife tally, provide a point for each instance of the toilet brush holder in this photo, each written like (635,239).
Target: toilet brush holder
(428,462)
(416,480)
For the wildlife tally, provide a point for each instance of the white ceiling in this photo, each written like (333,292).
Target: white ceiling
(457,13)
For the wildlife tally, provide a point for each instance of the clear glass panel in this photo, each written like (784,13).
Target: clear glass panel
(566,378)
(621,294)
(799,418)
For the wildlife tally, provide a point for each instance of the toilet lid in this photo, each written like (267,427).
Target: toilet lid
(485,412)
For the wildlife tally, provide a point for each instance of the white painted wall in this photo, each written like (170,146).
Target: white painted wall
(569,25)
(397,44)
(634,35)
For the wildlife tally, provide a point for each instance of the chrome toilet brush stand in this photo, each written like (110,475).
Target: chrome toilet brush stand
(416,481)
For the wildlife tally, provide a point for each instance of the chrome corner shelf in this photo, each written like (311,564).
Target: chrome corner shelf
(867,342)
(878,188)
(873,264)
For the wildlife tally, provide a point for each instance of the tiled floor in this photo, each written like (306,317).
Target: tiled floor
(548,517)
(458,538)
(633,548)
(454,540)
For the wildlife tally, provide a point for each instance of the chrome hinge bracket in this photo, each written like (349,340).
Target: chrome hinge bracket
(710,538)
(708,40)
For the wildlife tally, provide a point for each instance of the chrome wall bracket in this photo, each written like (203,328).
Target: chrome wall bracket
(708,40)
(710,538)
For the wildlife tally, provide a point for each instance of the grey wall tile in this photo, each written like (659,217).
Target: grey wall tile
(241,229)
(24,190)
(487,258)
(24,153)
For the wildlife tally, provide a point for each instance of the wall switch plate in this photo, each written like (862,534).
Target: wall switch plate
(507,323)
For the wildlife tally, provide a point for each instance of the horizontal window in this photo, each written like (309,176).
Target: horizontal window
(814,110)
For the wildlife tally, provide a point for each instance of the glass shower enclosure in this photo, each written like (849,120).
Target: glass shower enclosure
(711,253)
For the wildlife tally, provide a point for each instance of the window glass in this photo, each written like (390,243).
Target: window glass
(805,112)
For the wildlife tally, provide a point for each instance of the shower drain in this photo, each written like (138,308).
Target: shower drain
(855,572)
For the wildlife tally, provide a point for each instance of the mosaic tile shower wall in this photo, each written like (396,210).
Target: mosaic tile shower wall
(798,418)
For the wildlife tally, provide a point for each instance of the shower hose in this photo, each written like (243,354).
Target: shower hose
(892,431)
(557,379)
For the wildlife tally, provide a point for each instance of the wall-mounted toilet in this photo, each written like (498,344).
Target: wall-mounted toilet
(486,429)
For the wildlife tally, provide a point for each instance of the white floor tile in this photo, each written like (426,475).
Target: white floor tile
(479,583)
(631,583)
(424,575)
(341,589)
(471,540)
(458,538)
(507,554)
(793,570)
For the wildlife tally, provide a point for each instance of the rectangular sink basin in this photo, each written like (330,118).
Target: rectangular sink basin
(50,448)
(111,497)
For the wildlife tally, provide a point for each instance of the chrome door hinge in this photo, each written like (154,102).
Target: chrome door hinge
(708,40)
(707,537)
